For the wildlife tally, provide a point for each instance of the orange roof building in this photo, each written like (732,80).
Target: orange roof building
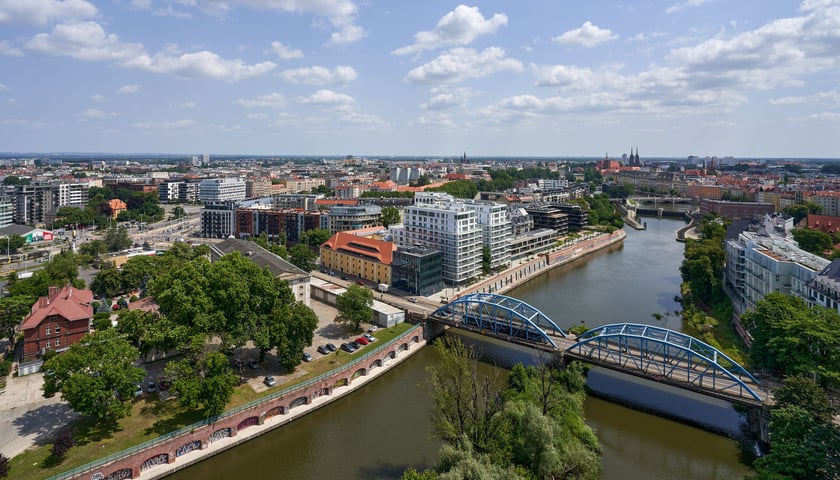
(363,257)
(57,321)
(114,207)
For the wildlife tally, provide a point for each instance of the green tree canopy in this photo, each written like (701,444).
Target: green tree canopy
(354,306)
(96,376)
(117,239)
(302,257)
(207,382)
(458,189)
(12,312)
(813,241)
(390,216)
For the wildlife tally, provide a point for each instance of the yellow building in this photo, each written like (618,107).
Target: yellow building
(365,258)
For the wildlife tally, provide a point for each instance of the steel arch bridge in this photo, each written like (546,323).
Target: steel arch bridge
(504,316)
(662,353)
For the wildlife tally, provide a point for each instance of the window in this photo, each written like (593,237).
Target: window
(47,346)
(48,331)
(57,342)
(57,330)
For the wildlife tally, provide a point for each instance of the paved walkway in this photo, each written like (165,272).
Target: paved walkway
(26,417)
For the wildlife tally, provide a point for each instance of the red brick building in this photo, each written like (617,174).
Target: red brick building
(57,321)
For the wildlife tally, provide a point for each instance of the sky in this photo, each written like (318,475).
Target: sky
(746,78)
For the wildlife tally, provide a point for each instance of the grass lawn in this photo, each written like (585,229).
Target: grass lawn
(151,418)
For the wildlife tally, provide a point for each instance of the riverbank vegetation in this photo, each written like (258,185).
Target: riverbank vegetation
(530,427)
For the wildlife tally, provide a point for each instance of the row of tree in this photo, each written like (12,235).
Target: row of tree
(529,427)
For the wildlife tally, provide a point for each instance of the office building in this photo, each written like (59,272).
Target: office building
(214,190)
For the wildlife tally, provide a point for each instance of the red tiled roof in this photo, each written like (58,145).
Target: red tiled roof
(69,303)
(146,304)
(380,250)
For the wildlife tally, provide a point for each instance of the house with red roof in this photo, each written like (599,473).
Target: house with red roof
(57,321)
(363,257)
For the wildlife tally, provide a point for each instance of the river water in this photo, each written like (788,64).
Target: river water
(384,428)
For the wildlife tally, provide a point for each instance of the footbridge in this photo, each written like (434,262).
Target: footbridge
(655,353)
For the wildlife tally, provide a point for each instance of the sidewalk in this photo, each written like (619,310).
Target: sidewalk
(26,417)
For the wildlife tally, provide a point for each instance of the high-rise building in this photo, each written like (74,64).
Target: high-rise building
(214,190)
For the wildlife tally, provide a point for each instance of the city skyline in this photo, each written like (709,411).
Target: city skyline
(492,78)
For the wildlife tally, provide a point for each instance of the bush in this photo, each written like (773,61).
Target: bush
(5,367)
(63,442)
(4,465)
(48,355)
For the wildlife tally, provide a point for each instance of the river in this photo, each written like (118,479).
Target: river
(384,428)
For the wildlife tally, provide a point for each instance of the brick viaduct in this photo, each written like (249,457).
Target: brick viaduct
(169,451)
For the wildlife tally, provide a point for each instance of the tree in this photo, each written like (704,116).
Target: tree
(315,237)
(93,248)
(178,212)
(302,257)
(813,241)
(789,338)
(4,462)
(486,259)
(390,216)
(804,393)
(117,239)
(107,283)
(96,376)
(207,382)
(458,189)
(14,242)
(293,331)
(12,311)
(354,306)
(62,444)
(150,332)
(801,210)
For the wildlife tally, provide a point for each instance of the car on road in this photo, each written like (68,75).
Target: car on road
(269,381)
(331,347)
(348,348)
(151,387)
(413,299)
(344,277)
(254,364)
(307,357)
(369,337)
(362,341)
(360,282)
(323,350)
(373,328)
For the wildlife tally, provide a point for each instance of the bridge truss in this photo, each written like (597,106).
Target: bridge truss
(659,352)
(504,316)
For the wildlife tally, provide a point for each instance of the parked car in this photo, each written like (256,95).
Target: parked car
(331,347)
(163,384)
(362,341)
(373,328)
(413,299)
(323,350)
(151,387)
(269,381)
(355,345)
(348,348)
(254,364)
(138,391)
(360,282)
(369,337)
(307,357)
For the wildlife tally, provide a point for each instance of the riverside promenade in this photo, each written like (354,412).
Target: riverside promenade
(524,270)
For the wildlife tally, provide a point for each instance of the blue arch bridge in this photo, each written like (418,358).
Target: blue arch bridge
(646,351)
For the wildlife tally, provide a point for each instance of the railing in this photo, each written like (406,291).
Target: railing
(209,421)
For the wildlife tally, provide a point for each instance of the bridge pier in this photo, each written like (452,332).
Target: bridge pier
(758,420)
(432,330)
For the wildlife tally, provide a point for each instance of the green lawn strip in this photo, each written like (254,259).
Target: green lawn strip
(150,419)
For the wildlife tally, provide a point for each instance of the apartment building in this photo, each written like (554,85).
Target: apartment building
(344,218)
(37,203)
(363,257)
(496,231)
(214,190)
(763,258)
(218,220)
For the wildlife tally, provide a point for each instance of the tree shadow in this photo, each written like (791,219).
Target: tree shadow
(334,331)
(44,422)
(169,420)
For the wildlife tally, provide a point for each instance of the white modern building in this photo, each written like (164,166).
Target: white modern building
(764,259)
(496,231)
(450,227)
(214,190)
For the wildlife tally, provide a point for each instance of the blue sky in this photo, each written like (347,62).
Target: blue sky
(748,78)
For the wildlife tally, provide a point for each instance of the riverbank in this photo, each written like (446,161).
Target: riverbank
(194,443)
(528,269)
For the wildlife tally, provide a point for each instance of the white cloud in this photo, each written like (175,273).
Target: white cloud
(819,117)
(831,97)
(89,41)
(721,124)
(689,3)
(126,89)
(327,97)
(318,75)
(285,52)
(458,27)
(256,116)
(459,64)
(436,120)
(364,120)
(164,125)
(97,98)
(444,98)
(7,50)
(341,14)
(169,11)
(93,114)
(565,76)
(83,41)
(272,100)
(3,87)
(187,105)
(142,4)
(44,12)
(587,35)
(202,64)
